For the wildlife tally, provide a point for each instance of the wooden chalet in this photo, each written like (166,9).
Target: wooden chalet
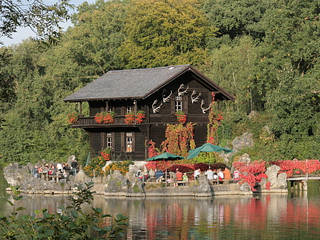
(159,92)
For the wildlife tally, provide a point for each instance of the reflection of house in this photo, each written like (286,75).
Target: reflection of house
(159,92)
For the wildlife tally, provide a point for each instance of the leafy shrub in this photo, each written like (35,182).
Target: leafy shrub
(72,223)
(122,166)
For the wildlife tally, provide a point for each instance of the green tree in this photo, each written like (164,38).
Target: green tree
(37,15)
(160,33)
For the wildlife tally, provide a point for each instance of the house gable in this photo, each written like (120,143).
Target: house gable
(137,84)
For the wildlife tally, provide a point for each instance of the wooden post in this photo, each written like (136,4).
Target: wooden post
(107,106)
(80,108)
(135,109)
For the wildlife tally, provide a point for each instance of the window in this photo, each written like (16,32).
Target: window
(109,140)
(178,104)
(129,109)
(129,142)
(110,109)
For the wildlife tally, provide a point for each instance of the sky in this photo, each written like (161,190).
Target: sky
(24,33)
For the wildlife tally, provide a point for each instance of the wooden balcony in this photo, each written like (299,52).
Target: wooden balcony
(89,122)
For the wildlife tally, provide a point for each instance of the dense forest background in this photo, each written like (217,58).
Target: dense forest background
(265,52)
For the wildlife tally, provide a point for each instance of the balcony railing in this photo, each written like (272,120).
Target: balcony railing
(90,122)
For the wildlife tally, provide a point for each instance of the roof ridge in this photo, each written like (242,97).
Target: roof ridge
(139,69)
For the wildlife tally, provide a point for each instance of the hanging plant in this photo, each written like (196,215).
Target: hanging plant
(181,117)
(108,117)
(129,118)
(99,117)
(73,117)
(140,116)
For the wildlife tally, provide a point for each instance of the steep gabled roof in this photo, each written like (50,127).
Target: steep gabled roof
(134,83)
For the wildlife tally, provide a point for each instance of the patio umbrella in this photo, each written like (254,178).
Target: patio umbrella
(165,156)
(207,147)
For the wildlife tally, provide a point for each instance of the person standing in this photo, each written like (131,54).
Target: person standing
(209,174)
(236,175)
(226,175)
(179,175)
(220,176)
(196,174)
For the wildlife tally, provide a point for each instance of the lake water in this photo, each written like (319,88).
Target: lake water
(262,217)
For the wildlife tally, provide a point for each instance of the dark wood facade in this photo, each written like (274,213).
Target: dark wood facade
(159,105)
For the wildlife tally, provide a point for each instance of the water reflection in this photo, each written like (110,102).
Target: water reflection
(265,217)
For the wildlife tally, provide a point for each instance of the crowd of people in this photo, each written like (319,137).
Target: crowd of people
(55,171)
(214,176)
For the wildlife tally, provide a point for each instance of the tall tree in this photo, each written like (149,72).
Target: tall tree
(35,14)
(160,33)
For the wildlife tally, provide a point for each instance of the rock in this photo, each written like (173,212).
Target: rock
(203,184)
(81,177)
(133,169)
(226,156)
(140,164)
(266,135)
(252,115)
(243,141)
(244,158)
(71,159)
(116,182)
(263,183)
(245,187)
(282,181)
(272,173)
(16,174)
(106,165)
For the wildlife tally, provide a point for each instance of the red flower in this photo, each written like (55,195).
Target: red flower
(268,185)
(72,118)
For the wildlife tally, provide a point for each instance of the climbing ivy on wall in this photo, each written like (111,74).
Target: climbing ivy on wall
(179,139)
(214,122)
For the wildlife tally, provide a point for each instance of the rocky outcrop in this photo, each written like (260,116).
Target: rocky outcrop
(243,141)
(116,182)
(245,158)
(277,181)
(81,177)
(17,175)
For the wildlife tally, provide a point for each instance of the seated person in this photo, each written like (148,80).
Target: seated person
(220,176)
(185,177)
(178,175)
(158,175)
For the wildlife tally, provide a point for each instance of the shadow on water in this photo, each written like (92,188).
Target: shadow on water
(313,188)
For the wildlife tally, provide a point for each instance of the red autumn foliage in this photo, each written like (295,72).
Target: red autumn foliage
(108,118)
(98,118)
(106,156)
(182,118)
(72,118)
(129,118)
(251,173)
(152,151)
(140,116)
(291,167)
(214,122)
